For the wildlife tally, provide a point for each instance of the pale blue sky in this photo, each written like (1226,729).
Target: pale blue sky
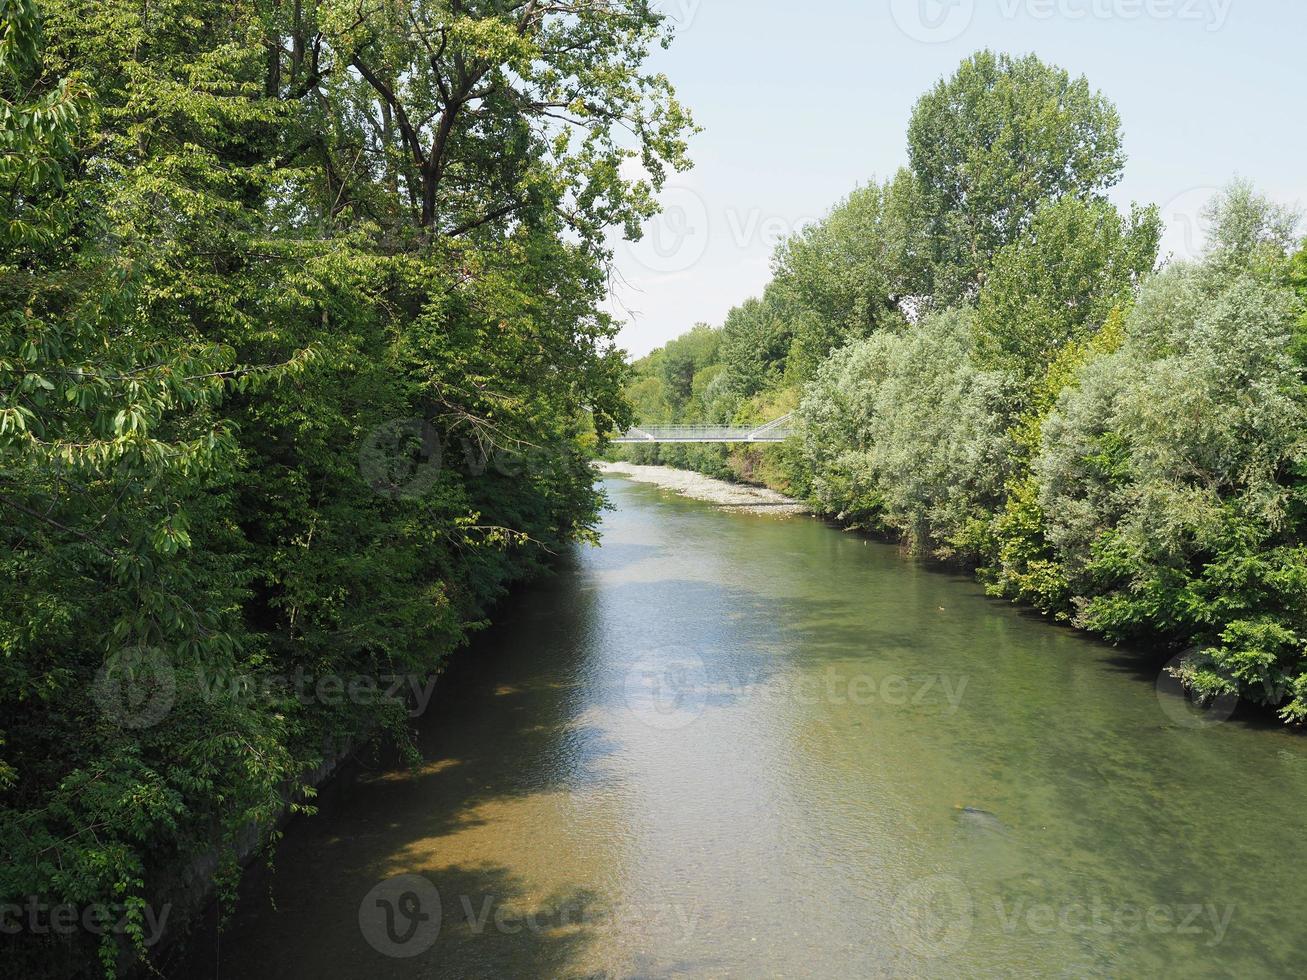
(802,101)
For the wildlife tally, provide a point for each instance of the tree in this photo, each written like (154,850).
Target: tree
(280,394)
(37,130)
(1170,472)
(1298,281)
(117,555)
(905,431)
(683,358)
(484,111)
(994,142)
(1060,280)
(755,344)
(846,276)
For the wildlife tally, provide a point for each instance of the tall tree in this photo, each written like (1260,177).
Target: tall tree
(683,358)
(465,113)
(993,142)
(851,273)
(280,394)
(755,343)
(1059,281)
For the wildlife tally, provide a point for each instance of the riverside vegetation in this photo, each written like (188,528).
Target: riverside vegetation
(989,361)
(289,290)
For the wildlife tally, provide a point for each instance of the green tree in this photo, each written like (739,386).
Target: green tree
(685,357)
(994,142)
(846,276)
(1169,471)
(118,550)
(755,344)
(484,111)
(1057,284)
(301,338)
(40,118)
(1298,281)
(903,431)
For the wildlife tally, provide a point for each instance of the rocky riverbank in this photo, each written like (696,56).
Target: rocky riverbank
(731,496)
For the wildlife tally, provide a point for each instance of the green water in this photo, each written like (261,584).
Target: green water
(728,745)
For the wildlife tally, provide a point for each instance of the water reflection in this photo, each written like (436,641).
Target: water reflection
(725,745)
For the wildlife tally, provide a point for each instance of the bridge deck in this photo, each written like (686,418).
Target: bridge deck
(775,431)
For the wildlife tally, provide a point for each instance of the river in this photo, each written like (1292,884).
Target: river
(724,744)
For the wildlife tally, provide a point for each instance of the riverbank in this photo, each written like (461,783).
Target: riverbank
(688,483)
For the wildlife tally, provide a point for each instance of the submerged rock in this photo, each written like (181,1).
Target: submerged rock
(972,816)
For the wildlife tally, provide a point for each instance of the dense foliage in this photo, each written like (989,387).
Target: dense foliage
(989,365)
(993,143)
(930,447)
(300,337)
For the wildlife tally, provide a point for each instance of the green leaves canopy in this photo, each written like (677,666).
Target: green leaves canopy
(1057,283)
(246,245)
(993,143)
(988,366)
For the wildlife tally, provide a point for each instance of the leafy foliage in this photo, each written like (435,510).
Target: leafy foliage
(844,277)
(756,342)
(300,343)
(1057,284)
(1171,471)
(988,367)
(993,143)
(931,450)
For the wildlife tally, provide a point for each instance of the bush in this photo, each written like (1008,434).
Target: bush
(1171,473)
(906,428)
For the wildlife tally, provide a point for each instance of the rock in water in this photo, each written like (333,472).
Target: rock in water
(981,819)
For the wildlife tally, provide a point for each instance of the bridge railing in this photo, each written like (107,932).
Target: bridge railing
(775,431)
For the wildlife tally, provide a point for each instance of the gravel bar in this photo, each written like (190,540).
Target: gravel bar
(728,496)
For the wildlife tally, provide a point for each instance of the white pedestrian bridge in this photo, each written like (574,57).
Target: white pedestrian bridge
(778,430)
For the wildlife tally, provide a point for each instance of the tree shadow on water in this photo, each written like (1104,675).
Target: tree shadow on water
(483,923)
(502,728)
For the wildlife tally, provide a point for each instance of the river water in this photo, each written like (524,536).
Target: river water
(729,745)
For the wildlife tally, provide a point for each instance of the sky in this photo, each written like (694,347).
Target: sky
(802,102)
